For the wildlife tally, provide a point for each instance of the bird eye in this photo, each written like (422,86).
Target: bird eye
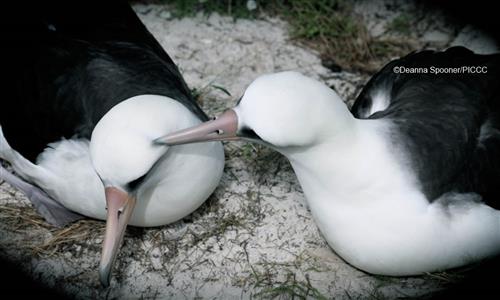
(134,183)
(249,133)
(239,100)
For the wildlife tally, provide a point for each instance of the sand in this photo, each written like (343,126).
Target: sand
(255,236)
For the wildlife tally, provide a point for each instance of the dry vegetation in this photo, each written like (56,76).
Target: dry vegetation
(328,26)
(341,37)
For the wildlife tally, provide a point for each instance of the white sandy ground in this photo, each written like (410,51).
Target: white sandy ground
(255,235)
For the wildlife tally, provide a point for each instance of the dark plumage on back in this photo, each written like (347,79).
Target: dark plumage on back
(448,123)
(81,64)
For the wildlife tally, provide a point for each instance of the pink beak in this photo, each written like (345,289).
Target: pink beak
(222,128)
(120,207)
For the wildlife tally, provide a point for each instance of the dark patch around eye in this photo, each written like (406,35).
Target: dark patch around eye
(249,133)
(135,183)
(239,100)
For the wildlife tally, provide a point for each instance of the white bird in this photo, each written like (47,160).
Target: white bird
(89,89)
(407,182)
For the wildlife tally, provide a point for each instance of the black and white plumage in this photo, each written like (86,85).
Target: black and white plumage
(88,90)
(447,123)
(407,182)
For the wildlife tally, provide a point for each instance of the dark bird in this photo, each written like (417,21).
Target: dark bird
(86,90)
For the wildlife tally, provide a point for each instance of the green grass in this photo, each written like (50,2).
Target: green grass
(290,288)
(329,26)
(283,280)
(199,94)
(400,24)
(319,18)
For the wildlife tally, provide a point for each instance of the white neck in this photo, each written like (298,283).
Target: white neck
(369,207)
(360,152)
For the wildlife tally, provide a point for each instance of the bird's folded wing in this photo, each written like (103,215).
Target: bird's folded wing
(51,210)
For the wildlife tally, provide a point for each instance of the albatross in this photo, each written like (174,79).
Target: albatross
(406,181)
(87,90)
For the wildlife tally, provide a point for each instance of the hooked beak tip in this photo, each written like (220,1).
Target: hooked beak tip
(104,276)
(120,206)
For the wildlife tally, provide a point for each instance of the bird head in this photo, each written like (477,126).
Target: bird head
(123,153)
(282,110)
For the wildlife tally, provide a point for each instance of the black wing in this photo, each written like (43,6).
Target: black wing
(448,125)
(67,63)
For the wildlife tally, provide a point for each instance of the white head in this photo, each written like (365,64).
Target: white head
(282,110)
(289,109)
(121,147)
(123,152)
